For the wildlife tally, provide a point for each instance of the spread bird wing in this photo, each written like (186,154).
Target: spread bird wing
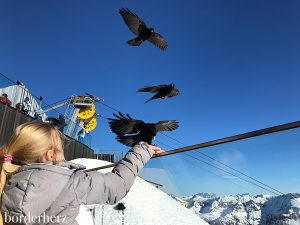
(152,88)
(128,140)
(158,41)
(122,124)
(166,125)
(134,23)
(174,92)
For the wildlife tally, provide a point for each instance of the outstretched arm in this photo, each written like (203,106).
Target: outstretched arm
(98,188)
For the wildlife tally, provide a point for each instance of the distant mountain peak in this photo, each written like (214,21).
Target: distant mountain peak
(245,209)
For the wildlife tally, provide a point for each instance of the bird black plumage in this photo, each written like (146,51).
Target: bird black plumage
(130,131)
(139,28)
(162,91)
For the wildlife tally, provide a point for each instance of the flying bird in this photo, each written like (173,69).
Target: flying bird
(162,91)
(139,28)
(130,131)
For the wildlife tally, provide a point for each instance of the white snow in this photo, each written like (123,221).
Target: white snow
(145,205)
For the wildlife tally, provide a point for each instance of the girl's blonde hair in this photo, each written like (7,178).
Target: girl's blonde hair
(28,144)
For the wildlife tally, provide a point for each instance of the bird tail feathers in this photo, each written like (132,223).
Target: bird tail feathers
(135,42)
(150,99)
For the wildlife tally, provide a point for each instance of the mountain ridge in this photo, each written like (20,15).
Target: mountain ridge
(245,209)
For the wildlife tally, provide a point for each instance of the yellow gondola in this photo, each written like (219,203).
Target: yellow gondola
(91,125)
(86,113)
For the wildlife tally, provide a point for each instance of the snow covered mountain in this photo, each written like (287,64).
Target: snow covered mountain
(245,209)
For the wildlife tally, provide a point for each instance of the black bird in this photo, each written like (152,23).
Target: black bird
(130,131)
(163,91)
(139,28)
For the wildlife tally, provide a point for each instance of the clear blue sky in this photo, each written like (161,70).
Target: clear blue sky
(235,62)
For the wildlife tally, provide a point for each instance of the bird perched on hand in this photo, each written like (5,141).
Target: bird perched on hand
(139,28)
(163,91)
(130,131)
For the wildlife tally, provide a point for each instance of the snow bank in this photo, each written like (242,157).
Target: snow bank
(145,205)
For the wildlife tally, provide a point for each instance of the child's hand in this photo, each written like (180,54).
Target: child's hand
(156,150)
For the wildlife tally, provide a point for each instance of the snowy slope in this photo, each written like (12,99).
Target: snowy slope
(284,209)
(145,205)
(245,209)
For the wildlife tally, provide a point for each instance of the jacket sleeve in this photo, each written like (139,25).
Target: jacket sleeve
(100,188)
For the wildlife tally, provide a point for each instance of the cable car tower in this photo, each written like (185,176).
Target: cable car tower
(81,111)
(80,115)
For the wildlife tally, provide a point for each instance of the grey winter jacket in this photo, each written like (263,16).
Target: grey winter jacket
(52,194)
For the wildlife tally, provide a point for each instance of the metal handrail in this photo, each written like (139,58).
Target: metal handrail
(250,134)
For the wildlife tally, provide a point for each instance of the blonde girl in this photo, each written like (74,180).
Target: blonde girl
(39,187)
